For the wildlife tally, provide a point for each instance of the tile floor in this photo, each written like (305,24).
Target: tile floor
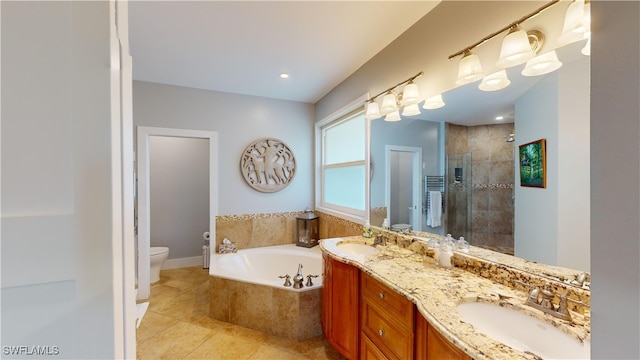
(177,326)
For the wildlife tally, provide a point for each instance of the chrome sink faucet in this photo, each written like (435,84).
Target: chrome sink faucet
(379,240)
(542,299)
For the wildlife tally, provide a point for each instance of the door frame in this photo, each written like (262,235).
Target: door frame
(144,198)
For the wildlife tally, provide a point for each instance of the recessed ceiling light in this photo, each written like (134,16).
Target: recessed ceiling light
(499,117)
(284,75)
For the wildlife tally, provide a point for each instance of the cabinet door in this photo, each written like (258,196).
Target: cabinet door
(340,307)
(438,347)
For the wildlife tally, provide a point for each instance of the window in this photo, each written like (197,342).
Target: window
(342,163)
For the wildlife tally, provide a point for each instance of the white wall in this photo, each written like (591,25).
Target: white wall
(574,156)
(239,120)
(557,109)
(615,180)
(536,214)
(179,194)
(56,178)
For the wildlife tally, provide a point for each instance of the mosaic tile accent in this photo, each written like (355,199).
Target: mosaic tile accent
(257,230)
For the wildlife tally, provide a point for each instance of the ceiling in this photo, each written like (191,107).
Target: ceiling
(242,46)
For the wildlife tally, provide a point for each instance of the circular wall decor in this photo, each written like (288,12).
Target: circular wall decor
(268,165)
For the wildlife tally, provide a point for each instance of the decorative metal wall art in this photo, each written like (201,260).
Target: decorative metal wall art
(268,165)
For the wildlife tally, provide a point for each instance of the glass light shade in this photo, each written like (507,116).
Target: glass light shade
(411,110)
(410,95)
(373,110)
(470,69)
(434,102)
(542,64)
(573,28)
(495,81)
(586,50)
(389,103)
(515,49)
(393,116)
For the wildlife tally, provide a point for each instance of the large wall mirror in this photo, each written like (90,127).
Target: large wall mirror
(468,161)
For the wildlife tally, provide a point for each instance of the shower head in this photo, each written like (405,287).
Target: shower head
(511,138)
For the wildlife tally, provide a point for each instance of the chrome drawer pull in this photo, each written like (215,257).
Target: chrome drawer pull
(381,332)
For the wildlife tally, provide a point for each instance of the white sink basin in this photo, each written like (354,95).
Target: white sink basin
(361,249)
(523,332)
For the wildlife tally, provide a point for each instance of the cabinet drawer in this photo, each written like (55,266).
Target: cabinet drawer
(369,351)
(395,341)
(377,293)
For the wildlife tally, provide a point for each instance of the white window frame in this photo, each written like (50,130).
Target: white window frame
(358,216)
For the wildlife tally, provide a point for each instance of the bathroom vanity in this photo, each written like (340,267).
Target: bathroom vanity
(394,303)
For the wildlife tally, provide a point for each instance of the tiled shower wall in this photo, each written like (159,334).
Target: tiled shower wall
(257,230)
(492,180)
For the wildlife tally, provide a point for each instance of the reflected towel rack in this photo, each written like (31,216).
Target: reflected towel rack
(433,183)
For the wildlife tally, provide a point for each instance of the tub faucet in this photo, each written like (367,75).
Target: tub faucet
(287,280)
(298,278)
(309,282)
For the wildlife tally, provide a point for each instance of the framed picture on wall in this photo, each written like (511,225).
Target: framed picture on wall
(533,164)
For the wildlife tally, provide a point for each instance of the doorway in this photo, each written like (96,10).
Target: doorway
(404,172)
(144,141)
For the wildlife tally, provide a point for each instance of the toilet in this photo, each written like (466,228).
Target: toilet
(158,256)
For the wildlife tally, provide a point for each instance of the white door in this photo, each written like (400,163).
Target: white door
(403,185)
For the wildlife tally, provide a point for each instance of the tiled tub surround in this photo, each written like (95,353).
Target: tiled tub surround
(245,290)
(267,229)
(436,292)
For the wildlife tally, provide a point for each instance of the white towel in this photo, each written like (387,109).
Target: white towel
(434,213)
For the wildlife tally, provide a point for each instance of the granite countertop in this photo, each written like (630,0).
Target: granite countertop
(437,291)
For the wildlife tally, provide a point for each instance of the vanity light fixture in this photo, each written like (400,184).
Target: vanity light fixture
(517,47)
(393,116)
(495,81)
(389,103)
(542,64)
(411,110)
(577,22)
(470,68)
(392,103)
(434,102)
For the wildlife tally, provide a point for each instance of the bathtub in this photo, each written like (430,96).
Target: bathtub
(264,265)
(245,289)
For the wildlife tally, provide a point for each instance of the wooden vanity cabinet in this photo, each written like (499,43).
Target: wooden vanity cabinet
(363,318)
(430,344)
(340,306)
(386,321)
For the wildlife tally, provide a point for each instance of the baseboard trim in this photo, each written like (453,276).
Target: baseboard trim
(182,262)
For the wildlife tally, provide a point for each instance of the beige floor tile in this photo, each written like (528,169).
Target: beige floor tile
(152,324)
(308,349)
(176,342)
(328,353)
(177,325)
(271,352)
(225,346)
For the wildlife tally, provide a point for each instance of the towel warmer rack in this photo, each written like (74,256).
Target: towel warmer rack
(433,183)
